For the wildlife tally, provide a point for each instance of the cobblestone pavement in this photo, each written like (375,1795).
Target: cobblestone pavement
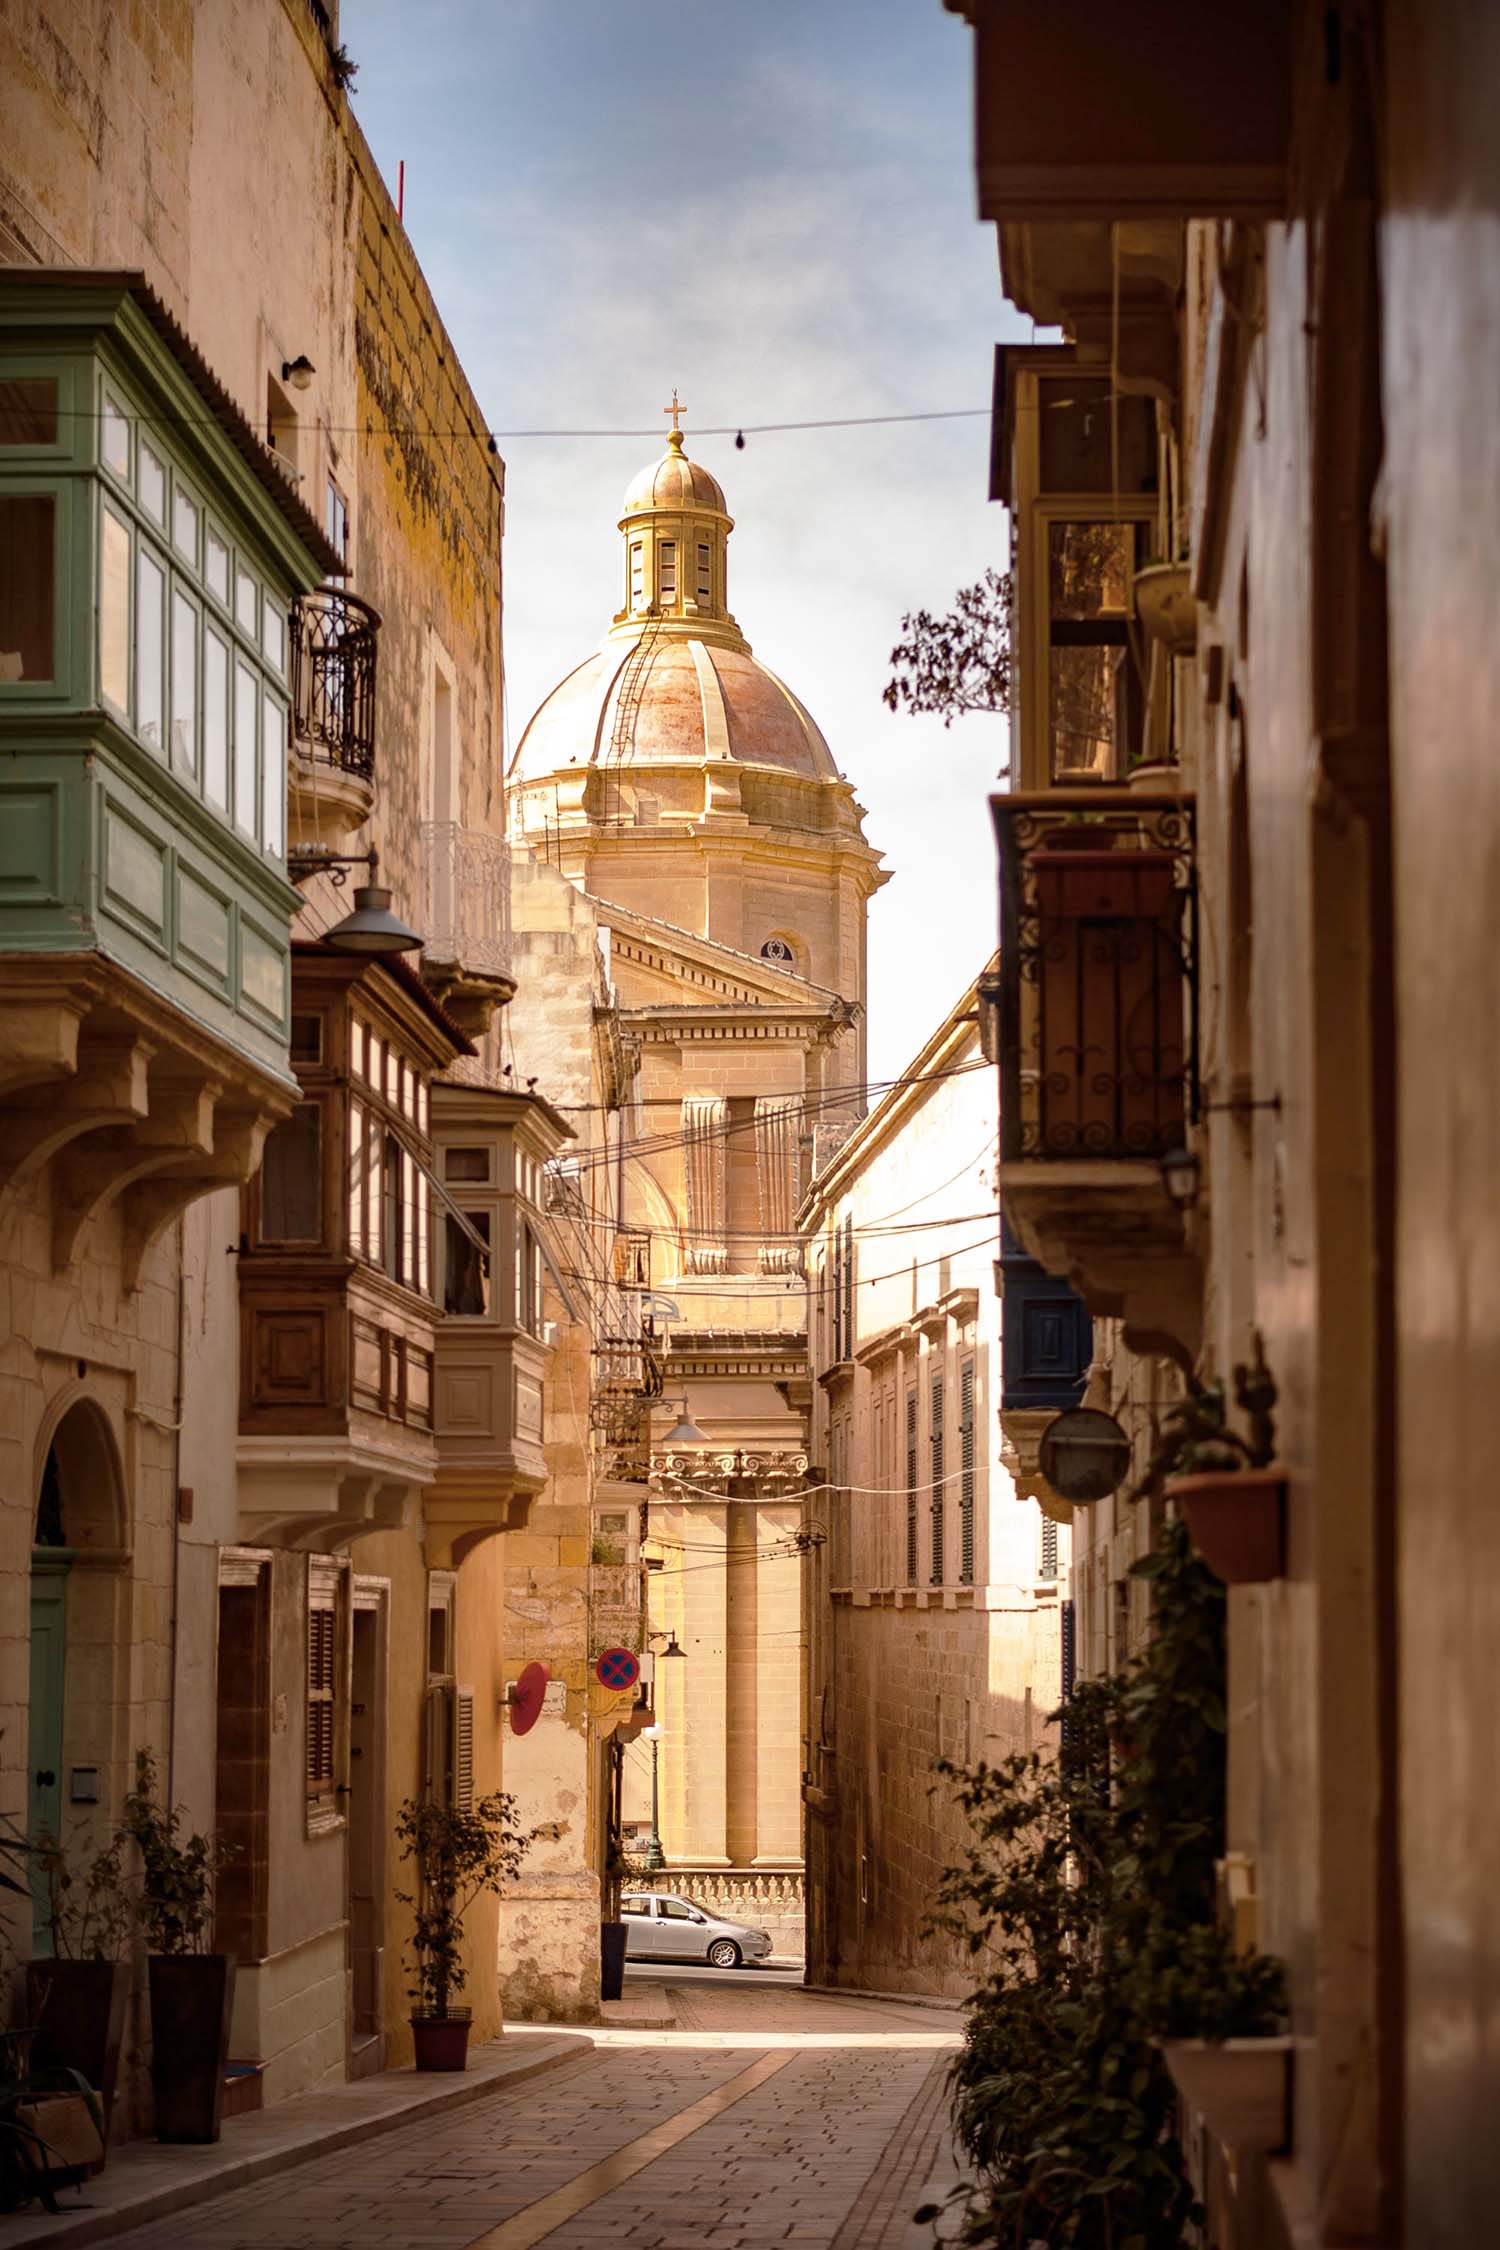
(771,2117)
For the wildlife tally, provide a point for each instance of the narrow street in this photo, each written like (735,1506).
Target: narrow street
(769,2115)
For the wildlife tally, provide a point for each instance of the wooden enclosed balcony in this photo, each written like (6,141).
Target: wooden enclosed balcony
(1098,1042)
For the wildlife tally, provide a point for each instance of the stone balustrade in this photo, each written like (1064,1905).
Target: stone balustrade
(768,1898)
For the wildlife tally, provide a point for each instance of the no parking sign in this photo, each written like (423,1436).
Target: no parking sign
(617,1668)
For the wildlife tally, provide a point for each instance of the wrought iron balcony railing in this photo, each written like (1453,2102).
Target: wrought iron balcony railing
(468,898)
(334,637)
(1098,974)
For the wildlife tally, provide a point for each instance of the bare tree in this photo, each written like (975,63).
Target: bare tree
(946,666)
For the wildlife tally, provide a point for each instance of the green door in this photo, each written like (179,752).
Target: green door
(49,1655)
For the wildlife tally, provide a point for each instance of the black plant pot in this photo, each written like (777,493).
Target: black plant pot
(192,1998)
(78,2011)
(611,1960)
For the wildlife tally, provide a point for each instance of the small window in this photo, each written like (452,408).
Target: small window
(28,410)
(184,684)
(667,569)
(114,439)
(291,1178)
(640,1906)
(216,719)
(466,1267)
(357,1047)
(307,1040)
(150,599)
(637,575)
(185,524)
(440,1649)
(675,1910)
(336,519)
(273,776)
(273,635)
(151,484)
(777,949)
(114,610)
(216,566)
(246,778)
(246,594)
(466,1164)
(705,572)
(1094,694)
(28,535)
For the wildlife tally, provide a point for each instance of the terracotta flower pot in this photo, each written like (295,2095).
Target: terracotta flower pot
(1237,1521)
(442,2042)
(1241,2087)
(78,2010)
(1165,606)
(192,1998)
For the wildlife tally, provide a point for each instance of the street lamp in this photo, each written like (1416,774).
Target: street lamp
(687,1432)
(371,930)
(656,1858)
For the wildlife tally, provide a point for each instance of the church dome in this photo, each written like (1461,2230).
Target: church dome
(673,482)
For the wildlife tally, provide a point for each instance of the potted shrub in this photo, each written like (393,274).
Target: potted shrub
(192,1989)
(76,1996)
(457,1854)
(1221,2026)
(1227,1487)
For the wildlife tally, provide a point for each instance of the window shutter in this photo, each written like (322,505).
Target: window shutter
(966,1473)
(320,1682)
(437,1780)
(911,1488)
(1049,1548)
(463,1749)
(935,1440)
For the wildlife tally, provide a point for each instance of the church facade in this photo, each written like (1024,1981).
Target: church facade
(689,797)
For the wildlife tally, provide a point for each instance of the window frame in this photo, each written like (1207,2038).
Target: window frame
(326,1688)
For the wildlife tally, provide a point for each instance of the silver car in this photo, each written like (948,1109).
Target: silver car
(673,1929)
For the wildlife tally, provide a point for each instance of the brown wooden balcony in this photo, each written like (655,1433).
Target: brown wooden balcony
(1098,1041)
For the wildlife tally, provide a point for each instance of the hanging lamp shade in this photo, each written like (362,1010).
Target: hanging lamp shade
(672,1653)
(371,929)
(687,1432)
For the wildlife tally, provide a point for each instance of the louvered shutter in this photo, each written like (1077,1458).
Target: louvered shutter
(966,1473)
(320,1700)
(437,1781)
(935,1441)
(912,1564)
(463,1749)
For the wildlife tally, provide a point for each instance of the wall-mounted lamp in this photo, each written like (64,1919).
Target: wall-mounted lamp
(371,929)
(299,372)
(687,1432)
(1179,1176)
(673,1653)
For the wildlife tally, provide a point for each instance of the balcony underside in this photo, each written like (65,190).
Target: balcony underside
(467,1506)
(116,1099)
(1112,1232)
(319,1493)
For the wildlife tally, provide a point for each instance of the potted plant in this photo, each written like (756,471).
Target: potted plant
(51,2127)
(1165,606)
(1231,1494)
(458,1853)
(76,1995)
(192,1989)
(1221,2026)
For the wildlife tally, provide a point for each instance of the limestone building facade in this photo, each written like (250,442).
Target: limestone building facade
(681,787)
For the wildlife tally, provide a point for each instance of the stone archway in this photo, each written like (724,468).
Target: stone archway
(74,1701)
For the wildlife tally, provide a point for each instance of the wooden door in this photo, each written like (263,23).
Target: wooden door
(49,1656)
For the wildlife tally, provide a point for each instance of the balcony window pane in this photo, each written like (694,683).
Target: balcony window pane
(150,619)
(216,719)
(184,684)
(114,439)
(291,1178)
(466,1164)
(245,595)
(185,524)
(466,1278)
(273,776)
(246,778)
(28,410)
(216,566)
(356,1181)
(151,482)
(273,635)
(424,1252)
(1093,697)
(28,534)
(374,1198)
(375,1073)
(114,610)
(357,1047)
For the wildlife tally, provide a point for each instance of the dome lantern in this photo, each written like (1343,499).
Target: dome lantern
(676,530)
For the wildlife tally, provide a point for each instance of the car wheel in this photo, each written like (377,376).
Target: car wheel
(724,1953)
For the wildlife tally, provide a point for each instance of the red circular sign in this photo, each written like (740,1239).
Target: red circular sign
(618,1668)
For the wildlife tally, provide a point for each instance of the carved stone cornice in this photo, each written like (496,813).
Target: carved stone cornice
(736,1475)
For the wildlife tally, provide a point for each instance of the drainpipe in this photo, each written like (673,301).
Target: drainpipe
(176,1503)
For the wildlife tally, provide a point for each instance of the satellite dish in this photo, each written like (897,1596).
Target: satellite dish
(525,1697)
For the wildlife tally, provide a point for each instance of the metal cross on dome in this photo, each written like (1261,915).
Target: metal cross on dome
(676,411)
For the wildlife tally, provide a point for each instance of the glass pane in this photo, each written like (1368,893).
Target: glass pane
(422,1104)
(114,439)
(376,1070)
(216,566)
(356,1180)
(28,532)
(28,410)
(1083,688)
(273,776)
(357,1048)
(373,1201)
(245,591)
(246,779)
(216,719)
(466,1164)
(1090,444)
(185,524)
(291,1178)
(184,684)
(152,484)
(273,634)
(114,611)
(466,1280)
(150,603)
(1088,568)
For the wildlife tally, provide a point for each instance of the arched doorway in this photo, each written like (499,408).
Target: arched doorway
(77,1545)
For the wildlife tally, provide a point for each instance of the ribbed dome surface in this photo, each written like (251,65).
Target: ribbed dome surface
(682,701)
(673,482)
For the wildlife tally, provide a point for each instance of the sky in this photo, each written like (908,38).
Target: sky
(770,205)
